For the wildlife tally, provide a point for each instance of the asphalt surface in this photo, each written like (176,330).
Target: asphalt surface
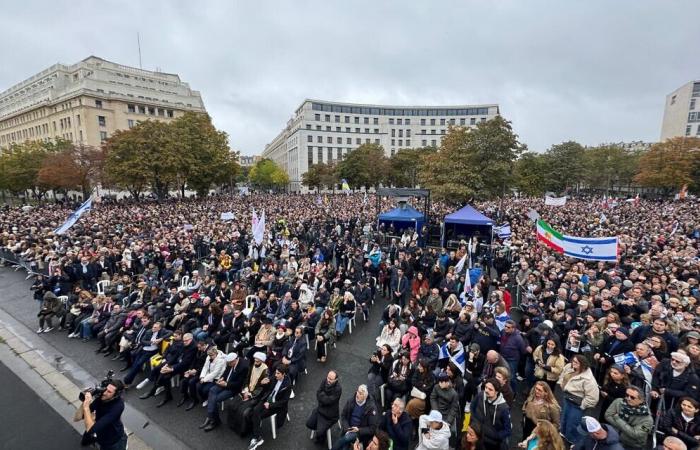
(28,422)
(350,359)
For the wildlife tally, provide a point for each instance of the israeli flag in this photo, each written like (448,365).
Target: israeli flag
(457,359)
(503,231)
(87,206)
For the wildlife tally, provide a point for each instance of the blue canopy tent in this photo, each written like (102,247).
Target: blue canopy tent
(403,217)
(464,223)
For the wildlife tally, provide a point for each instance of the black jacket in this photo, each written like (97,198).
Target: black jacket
(686,383)
(328,397)
(368,423)
(236,376)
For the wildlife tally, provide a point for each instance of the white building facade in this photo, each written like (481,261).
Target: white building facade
(324,132)
(682,112)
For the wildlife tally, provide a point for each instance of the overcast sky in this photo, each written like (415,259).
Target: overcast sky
(590,71)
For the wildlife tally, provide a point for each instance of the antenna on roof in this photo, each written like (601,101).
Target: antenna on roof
(138,41)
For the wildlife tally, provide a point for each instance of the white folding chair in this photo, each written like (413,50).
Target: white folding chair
(249,302)
(273,424)
(101,285)
(329,437)
(184,283)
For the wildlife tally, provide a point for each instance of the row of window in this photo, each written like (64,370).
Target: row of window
(689,130)
(150,110)
(399,111)
(423,122)
(64,123)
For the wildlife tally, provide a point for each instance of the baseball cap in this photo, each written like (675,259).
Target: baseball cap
(589,425)
(435,416)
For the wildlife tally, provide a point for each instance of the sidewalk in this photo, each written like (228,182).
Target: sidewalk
(56,379)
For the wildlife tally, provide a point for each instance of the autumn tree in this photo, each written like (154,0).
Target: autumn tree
(365,166)
(405,165)
(72,167)
(671,164)
(472,163)
(320,176)
(21,165)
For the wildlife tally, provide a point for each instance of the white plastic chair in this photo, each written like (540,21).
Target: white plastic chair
(101,285)
(273,424)
(184,283)
(249,302)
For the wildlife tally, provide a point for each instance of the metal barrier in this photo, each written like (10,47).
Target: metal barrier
(10,258)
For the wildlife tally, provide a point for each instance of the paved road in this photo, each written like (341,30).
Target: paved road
(350,359)
(28,421)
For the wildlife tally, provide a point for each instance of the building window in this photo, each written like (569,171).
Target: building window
(338,140)
(400,133)
(483,119)
(442,131)
(376,141)
(318,127)
(391,121)
(347,119)
(472,121)
(424,143)
(376,131)
(151,111)
(337,119)
(367,141)
(319,154)
(308,126)
(357,130)
(319,139)
(697,133)
(408,121)
(399,121)
(98,104)
(393,151)
(309,156)
(358,141)
(408,133)
(422,122)
(81,135)
(432,122)
(328,117)
(337,129)
(78,117)
(330,154)
(687,130)
(393,142)
(442,121)
(408,142)
(357,120)
(348,141)
(103,136)
(317,117)
(329,139)
(673,100)
(400,142)
(452,121)
(432,131)
(101,121)
(161,112)
(375,121)
(393,132)
(328,128)
(309,138)
(142,109)
(462,121)
(131,108)
(432,142)
(366,130)
(692,103)
(130,123)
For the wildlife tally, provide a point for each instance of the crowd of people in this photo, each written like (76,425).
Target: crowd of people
(589,354)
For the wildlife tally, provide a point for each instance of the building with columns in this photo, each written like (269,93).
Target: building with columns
(88,101)
(323,131)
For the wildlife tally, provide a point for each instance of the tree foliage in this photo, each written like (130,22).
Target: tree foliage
(564,165)
(405,165)
(266,174)
(530,173)
(72,167)
(472,163)
(365,166)
(321,176)
(670,164)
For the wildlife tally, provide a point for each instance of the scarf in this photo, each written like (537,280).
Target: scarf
(627,411)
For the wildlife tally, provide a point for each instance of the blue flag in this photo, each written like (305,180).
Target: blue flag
(458,358)
(87,206)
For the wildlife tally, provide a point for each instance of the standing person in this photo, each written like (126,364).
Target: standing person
(513,347)
(399,288)
(398,424)
(358,420)
(580,392)
(491,414)
(445,399)
(614,387)
(105,428)
(549,362)
(631,418)
(326,414)
(540,405)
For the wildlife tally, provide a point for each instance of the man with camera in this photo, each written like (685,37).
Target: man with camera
(104,427)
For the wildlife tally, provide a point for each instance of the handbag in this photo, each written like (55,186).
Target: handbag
(417,393)
(575,399)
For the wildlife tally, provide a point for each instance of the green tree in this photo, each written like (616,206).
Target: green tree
(320,176)
(405,165)
(671,164)
(564,165)
(530,173)
(141,157)
(365,166)
(608,165)
(202,153)
(473,163)
(266,174)
(21,166)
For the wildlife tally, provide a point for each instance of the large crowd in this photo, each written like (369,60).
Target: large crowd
(590,354)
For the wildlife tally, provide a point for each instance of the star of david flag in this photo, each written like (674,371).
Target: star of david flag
(457,359)
(87,206)
(591,249)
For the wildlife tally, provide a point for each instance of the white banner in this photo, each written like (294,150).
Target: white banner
(555,201)
(227,216)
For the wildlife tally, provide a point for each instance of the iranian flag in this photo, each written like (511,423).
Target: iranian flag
(548,235)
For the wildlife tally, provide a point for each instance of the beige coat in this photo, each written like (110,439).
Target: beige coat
(582,385)
(556,363)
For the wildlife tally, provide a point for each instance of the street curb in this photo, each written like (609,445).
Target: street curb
(49,378)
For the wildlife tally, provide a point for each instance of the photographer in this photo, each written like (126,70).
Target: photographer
(105,427)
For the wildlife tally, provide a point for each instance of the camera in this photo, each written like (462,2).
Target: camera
(99,389)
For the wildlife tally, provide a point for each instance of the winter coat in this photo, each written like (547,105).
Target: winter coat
(686,430)
(389,337)
(434,439)
(635,430)
(400,433)
(328,398)
(446,401)
(411,342)
(542,411)
(213,369)
(494,419)
(554,364)
(687,383)
(51,303)
(582,385)
(368,423)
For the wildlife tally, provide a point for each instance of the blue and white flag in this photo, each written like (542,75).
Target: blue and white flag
(591,249)
(503,231)
(457,359)
(87,206)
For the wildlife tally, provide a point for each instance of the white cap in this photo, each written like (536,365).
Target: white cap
(592,425)
(231,357)
(435,416)
(548,323)
(260,355)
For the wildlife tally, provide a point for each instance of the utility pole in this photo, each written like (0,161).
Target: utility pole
(138,42)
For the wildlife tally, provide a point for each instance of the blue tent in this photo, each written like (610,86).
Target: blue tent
(403,217)
(468,216)
(464,223)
